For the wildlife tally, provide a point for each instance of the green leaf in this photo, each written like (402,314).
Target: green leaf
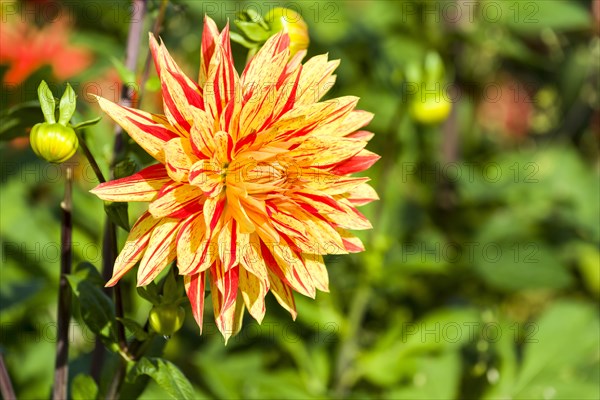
(153,84)
(166,374)
(118,214)
(15,121)
(47,102)
(531,17)
(85,124)
(125,168)
(437,377)
(236,37)
(87,271)
(83,387)
(519,264)
(126,75)
(135,328)
(150,293)
(552,361)
(171,289)
(253,31)
(68,104)
(97,309)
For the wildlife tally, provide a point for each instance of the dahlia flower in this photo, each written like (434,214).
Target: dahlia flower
(253,182)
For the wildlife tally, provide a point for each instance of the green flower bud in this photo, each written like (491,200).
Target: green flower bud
(430,110)
(55,142)
(280,18)
(166,319)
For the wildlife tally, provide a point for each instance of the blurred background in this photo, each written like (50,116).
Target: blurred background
(481,277)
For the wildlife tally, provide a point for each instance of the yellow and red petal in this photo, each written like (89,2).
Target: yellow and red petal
(325,151)
(141,186)
(362,194)
(283,294)
(177,200)
(352,243)
(150,131)
(222,82)
(253,292)
(360,162)
(179,158)
(210,35)
(161,251)
(134,247)
(206,174)
(317,79)
(179,92)
(355,120)
(194,288)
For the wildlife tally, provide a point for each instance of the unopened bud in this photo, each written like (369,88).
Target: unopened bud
(166,319)
(55,142)
(280,18)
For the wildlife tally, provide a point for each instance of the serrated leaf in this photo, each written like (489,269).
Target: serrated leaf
(47,102)
(83,387)
(166,375)
(68,104)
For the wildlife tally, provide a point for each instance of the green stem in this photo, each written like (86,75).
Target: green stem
(88,155)
(61,374)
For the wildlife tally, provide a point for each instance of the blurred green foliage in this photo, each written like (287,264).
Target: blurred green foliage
(481,277)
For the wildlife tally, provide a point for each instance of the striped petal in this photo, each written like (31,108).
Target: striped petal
(253,292)
(317,79)
(222,82)
(179,92)
(150,131)
(134,247)
(206,174)
(283,294)
(209,42)
(194,288)
(362,194)
(177,200)
(179,157)
(360,162)
(142,186)
(161,250)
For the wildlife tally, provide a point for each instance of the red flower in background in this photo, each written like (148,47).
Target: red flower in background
(509,111)
(26,48)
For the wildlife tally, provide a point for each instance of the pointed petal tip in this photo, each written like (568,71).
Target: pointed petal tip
(112,282)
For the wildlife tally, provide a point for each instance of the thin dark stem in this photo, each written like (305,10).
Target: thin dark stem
(91,159)
(61,374)
(6,387)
